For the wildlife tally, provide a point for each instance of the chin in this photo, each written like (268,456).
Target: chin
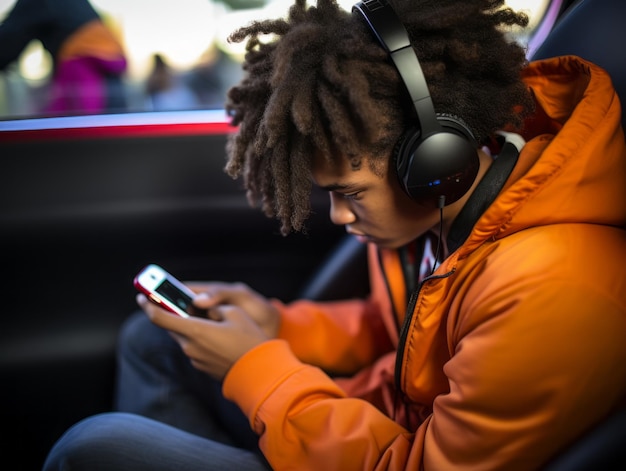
(387,244)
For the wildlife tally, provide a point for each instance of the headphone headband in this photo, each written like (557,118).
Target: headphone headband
(394,38)
(436,161)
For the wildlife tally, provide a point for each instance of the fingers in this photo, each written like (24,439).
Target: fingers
(214,294)
(211,346)
(163,318)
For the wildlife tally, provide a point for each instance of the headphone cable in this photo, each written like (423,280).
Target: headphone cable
(441,203)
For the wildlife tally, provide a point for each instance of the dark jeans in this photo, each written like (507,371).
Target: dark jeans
(171,416)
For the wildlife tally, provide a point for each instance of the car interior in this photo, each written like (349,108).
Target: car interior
(85,207)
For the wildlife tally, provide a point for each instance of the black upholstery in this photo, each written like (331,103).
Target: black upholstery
(602,448)
(594,30)
(342,275)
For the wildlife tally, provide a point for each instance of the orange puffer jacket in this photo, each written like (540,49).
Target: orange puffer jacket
(511,350)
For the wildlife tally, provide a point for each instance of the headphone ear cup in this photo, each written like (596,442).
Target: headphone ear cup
(444,164)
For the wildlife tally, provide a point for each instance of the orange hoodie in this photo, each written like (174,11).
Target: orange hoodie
(509,352)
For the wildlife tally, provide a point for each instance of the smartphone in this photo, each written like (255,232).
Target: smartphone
(166,291)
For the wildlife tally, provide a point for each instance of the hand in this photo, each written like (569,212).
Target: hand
(258,308)
(212,346)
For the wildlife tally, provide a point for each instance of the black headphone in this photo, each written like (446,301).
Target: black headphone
(437,160)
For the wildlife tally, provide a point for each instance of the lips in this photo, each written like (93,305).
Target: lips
(362,238)
(354,233)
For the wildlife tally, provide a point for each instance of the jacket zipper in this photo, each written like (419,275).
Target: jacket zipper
(404,332)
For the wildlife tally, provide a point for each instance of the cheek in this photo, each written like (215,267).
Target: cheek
(389,200)
(403,214)
(392,209)
(401,201)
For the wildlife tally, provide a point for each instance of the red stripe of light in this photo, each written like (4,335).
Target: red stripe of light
(108,127)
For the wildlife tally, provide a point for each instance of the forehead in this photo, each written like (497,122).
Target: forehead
(342,170)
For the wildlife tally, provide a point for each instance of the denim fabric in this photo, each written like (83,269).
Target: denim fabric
(169,416)
(127,442)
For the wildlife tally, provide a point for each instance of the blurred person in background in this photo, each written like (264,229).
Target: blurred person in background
(212,76)
(165,89)
(89,61)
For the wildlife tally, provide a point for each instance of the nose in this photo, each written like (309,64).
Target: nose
(340,212)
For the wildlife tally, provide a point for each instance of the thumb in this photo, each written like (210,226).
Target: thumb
(206,300)
(209,304)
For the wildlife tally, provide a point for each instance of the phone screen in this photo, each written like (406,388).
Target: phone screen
(174,295)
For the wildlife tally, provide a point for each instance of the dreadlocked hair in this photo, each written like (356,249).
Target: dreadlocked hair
(317,83)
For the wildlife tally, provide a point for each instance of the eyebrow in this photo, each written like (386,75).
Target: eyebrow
(340,187)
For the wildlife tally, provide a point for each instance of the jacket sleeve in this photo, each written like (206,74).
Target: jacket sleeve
(305,421)
(342,336)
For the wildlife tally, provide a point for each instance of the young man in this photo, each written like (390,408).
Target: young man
(496,354)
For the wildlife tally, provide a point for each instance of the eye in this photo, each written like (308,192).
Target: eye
(353,196)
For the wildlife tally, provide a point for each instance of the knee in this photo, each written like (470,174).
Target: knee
(90,444)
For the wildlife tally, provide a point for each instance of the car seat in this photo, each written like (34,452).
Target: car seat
(602,448)
(596,31)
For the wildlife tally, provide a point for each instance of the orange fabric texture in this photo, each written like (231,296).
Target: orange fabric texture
(513,349)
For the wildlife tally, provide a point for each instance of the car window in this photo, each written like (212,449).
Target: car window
(175,55)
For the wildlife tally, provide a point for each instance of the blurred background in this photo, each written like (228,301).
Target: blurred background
(175,52)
